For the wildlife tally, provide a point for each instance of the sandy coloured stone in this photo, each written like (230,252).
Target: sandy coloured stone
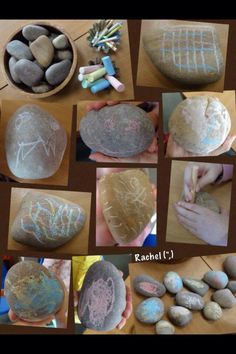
(35,143)
(46,222)
(216,279)
(179,316)
(14,76)
(230,266)
(28,72)
(207,201)
(102,297)
(19,50)
(43,51)
(189,54)
(56,73)
(189,300)
(32,32)
(127,203)
(197,286)
(148,286)
(32,291)
(150,310)
(173,282)
(224,298)
(60,42)
(212,311)
(121,130)
(200,124)
(164,327)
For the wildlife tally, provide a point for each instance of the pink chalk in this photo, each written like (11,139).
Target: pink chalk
(118,86)
(89,69)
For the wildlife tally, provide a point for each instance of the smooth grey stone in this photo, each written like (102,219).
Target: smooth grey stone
(164,327)
(36,62)
(33,292)
(230,266)
(150,310)
(212,311)
(63,54)
(232,286)
(14,76)
(147,286)
(29,73)
(41,88)
(60,42)
(19,50)
(32,32)
(224,298)
(56,73)
(195,285)
(102,297)
(46,222)
(189,300)
(35,143)
(216,279)
(179,316)
(121,130)
(173,282)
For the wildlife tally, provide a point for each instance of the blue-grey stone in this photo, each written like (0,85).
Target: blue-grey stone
(216,279)
(56,73)
(197,286)
(173,282)
(19,50)
(147,286)
(32,32)
(28,72)
(224,298)
(14,76)
(150,310)
(232,286)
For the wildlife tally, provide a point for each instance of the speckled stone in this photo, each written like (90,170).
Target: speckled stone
(232,286)
(121,130)
(32,291)
(179,316)
(224,298)
(212,311)
(19,50)
(197,286)
(56,73)
(150,310)
(190,300)
(173,282)
(43,51)
(102,297)
(32,32)
(216,279)
(230,266)
(28,72)
(164,327)
(14,76)
(148,286)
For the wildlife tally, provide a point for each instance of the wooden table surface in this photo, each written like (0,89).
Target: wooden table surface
(193,267)
(149,75)
(78,244)
(63,113)
(176,232)
(73,92)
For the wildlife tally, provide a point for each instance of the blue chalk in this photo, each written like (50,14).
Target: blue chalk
(99,85)
(108,65)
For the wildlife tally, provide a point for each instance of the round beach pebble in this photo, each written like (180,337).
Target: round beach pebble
(197,286)
(150,310)
(32,32)
(224,298)
(230,266)
(60,42)
(216,279)
(173,282)
(212,311)
(28,72)
(232,286)
(19,50)
(179,316)
(147,286)
(14,76)
(56,73)
(43,87)
(164,327)
(63,54)
(32,291)
(189,300)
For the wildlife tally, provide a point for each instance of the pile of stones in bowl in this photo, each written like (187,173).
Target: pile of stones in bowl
(41,60)
(151,310)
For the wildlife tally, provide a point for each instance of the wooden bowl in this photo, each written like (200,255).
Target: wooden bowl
(23,88)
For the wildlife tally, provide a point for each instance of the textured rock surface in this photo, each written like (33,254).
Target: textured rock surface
(230,266)
(12,63)
(122,130)
(173,282)
(102,298)
(195,285)
(216,279)
(148,286)
(127,203)
(32,32)
(43,51)
(207,201)
(35,143)
(32,291)
(58,72)
(224,298)
(200,124)
(150,310)
(189,300)
(189,54)
(212,311)
(232,286)
(28,72)
(19,50)
(45,221)
(164,327)
(179,316)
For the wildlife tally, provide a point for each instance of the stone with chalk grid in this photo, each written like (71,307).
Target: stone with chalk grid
(189,54)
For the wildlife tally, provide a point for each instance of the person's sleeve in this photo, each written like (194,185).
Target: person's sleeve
(227,174)
(80,265)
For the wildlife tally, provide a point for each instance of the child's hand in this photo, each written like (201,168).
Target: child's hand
(18,322)
(128,309)
(207,174)
(205,224)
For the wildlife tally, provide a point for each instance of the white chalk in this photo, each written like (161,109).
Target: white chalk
(118,86)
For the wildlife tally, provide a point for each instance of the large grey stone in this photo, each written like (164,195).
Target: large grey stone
(150,310)
(32,291)
(216,279)
(173,282)
(224,298)
(147,286)
(46,222)
(179,316)
(14,76)
(35,143)
(28,72)
(189,300)
(230,266)
(102,298)
(56,73)
(197,286)
(19,50)
(32,32)
(121,130)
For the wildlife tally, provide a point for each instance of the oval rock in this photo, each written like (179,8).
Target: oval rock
(212,311)
(197,286)
(216,279)
(14,76)
(56,73)
(173,282)
(147,286)
(28,72)
(164,327)
(150,310)
(60,42)
(189,300)
(224,298)
(179,316)
(32,32)
(232,286)
(230,266)
(19,50)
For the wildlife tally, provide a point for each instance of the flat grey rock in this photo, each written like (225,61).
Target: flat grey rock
(230,266)
(216,279)
(102,298)
(173,282)
(224,298)
(28,72)
(190,300)
(35,143)
(60,42)
(179,316)
(32,291)
(46,222)
(32,32)
(212,311)
(150,310)
(197,286)
(41,88)
(121,130)
(232,286)
(164,327)
(56,73)
(19,50)
(148,286)
(14,76)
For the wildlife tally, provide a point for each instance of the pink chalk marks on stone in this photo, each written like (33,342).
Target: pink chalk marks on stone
(110,124)
(133,126)
(98,299)
(149,287)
